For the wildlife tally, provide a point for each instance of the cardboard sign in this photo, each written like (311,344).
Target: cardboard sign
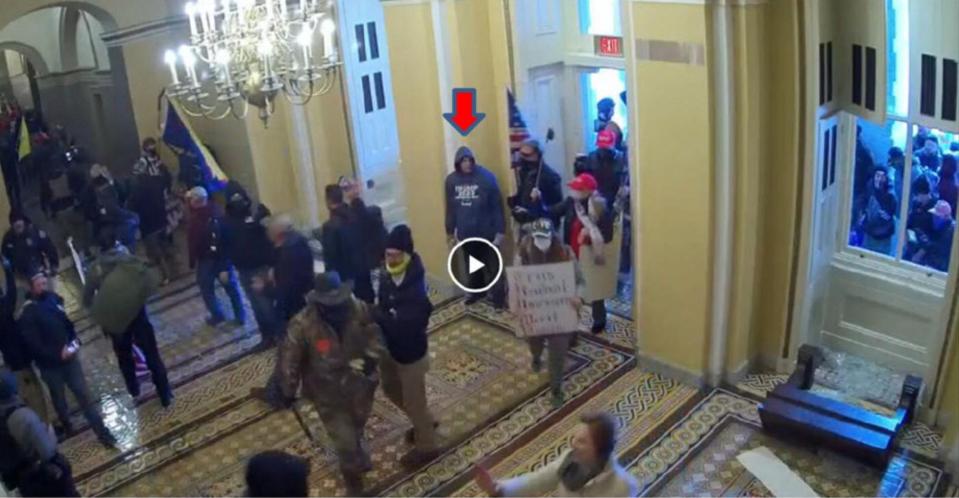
(540,297)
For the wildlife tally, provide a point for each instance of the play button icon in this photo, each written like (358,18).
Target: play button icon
(475,265)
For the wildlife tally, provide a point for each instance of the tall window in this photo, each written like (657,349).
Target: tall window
(600,17)
(904,182)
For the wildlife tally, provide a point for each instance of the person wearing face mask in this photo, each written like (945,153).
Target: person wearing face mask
(149,196)
(403,312)
(543,246)
(935,248)
(207,244)
(589,228)
(28,248)
(607,165)
(539,185)
(589,468)
(150,162)
(332,348)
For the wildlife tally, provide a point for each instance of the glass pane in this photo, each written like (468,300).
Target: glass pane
(600,17)
(877,185)
(897,62)
(932,212)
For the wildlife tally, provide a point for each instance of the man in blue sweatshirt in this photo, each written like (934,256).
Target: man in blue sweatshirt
(474,208)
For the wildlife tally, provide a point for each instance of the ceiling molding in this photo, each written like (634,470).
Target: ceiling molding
(141,31)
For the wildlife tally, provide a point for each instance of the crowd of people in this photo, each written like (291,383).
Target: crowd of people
(338,335)
(930,222)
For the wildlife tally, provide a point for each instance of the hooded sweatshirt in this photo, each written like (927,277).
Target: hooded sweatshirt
(473,205)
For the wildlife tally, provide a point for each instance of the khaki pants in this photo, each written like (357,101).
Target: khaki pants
(34,394)
(405,386)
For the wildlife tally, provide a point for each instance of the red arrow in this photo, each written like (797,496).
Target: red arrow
(464,116)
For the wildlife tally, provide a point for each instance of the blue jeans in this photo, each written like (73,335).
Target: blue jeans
(263,308)
(207,275)
(70,375)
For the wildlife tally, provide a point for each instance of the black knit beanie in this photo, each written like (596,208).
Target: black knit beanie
(400,238)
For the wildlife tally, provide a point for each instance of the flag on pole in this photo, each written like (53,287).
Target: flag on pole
(24,147)
(518,131)
(179,136)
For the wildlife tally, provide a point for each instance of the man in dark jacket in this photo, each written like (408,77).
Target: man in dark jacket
(372,227)
(343,244)
(403,312)
(208,254)
(14,350)
(876,213)
(113,261)
(28,448)
(52,343)
(935,247)
(28,247)
(292,275)
(539,185)
(251,250)
(608,166)
(474,209)
(148,199)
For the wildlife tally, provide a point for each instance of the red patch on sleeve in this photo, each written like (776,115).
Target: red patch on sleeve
(323,346)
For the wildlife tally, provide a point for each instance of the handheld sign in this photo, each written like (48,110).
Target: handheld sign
(540,296)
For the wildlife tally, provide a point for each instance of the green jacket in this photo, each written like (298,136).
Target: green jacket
(118,287)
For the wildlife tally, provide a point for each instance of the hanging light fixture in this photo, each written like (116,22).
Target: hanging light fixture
(244,52)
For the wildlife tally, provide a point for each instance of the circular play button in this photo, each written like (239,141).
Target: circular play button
(475,265)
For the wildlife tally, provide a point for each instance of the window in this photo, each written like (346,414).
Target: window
(932,211)
(600,17)
(897,60)
(877,185)
(604,83)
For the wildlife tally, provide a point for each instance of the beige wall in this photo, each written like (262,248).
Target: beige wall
(672,171)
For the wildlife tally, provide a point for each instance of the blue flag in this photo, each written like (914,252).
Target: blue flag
(179,136)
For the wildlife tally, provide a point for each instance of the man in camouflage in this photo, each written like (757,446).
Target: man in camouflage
(333,347)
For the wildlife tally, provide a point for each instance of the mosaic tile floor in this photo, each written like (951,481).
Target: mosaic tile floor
(696,457)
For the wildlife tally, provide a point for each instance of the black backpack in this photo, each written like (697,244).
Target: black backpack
(11,457)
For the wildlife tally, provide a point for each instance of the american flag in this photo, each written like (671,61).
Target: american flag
(518,132)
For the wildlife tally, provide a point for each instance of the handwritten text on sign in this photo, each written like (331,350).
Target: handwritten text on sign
(540,297)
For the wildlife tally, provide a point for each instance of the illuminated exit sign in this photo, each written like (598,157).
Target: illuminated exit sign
(608,46)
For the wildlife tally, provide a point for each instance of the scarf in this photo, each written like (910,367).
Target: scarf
(575,475)
(400,268)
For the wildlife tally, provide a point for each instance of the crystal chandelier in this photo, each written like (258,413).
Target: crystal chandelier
(244,52)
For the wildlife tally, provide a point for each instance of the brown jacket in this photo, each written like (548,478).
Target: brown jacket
(332,369)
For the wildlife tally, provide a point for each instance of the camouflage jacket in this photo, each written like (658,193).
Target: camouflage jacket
(331,368)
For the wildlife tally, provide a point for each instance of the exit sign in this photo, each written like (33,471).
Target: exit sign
(608,46)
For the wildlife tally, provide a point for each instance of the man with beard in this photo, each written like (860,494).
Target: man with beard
(332,347)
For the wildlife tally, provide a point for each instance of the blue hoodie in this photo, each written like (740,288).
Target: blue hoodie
(473,204)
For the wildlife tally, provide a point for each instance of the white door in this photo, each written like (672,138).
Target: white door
(370,89)
(824,227)
(548,113)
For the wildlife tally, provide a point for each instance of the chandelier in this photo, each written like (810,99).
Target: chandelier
(244,52)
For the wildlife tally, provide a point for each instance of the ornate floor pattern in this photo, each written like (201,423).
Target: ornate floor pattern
(696,457)
(480,381)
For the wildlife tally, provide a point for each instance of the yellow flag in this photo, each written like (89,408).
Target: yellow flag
(24,148)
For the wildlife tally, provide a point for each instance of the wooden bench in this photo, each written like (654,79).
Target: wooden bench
(791,410)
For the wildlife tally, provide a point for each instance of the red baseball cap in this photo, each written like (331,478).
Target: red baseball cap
(605,139)
(585,182)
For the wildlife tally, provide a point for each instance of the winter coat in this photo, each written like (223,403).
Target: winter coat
(879,208)
(149,200)
(16,356)
(550,185)
(205,235)
(46,329)
(614,480)
(599,258)
(373,231)
(403,312)
(333,366)
(343,243)
(609,169)
(473,202)
(30,251)
(35,441)
(293,274)
(123,222)
(939,247)
(248,246)
(117,288)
